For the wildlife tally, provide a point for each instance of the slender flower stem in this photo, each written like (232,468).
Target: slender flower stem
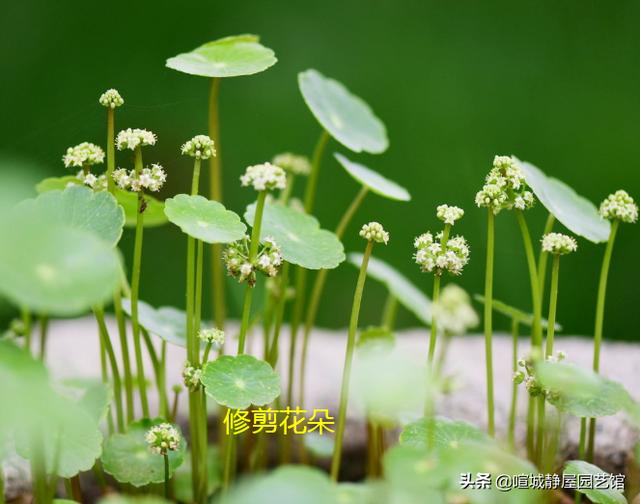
(2,501)
(316,294)
(44,329)
(111,155)
(135,290)
(542,259)
(272,356)
(312,181)
(163,402)
(436,297)
(597,334)
(174,406)
(346,374)
(390,312)
(26,327)
(488,326)
(215,193)
(124,349)
(513,411)
(105,339)
(166,476)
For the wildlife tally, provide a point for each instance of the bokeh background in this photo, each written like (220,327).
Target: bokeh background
(556,83)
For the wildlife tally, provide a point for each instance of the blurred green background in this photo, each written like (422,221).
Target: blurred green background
(556,83)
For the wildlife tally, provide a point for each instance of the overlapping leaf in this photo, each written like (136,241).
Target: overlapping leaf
(373,181)
(166,322)
(596,495)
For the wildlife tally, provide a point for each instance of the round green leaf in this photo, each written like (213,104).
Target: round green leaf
(225,57)
(238,382)
(57,183)
(575,212)
(203,219)
(299,237)
(597,496)
(78,207)
(446,433)
(153,213)
(405,292)
(182,478)
(373,181)
(346,117)
(514,313)
(166,322)
(92,395)
(128,459)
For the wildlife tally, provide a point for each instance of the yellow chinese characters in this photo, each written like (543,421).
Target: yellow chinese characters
(286,421)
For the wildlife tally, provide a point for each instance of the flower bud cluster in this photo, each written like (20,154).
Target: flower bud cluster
(199,147)
(373,231)
(133,138)
(264,177)
(293,163)
(558,244)
(505,187)
(83,155)
(619,206)
(268,260)
(453,310)
(98,183)
(111,99)
(191,376)
(527,376)
(163,438)
(152,178)
(449,214)
(212,335)
(435,258)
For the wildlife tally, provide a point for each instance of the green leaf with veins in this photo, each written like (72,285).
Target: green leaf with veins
(575,212)
(595,495)
(153,213)
(241,381)
(299,237)
(398,285)
(128,459)
(373,181)
(204,219)
(346,117)
(226,57)
(447,432)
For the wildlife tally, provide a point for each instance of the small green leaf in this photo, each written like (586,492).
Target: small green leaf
(92,395)
(346,117)
(575,212)
(597,496)
(373,181)
(447,433)
(226,57)
(406,293)
(182,477)
(378,336)
(78,207)
(153,213)
(299,237)
(582,392)
(514,313)
(239,382)
(57,183)
(319,445)
(166,322)
(128,459)
(203,219)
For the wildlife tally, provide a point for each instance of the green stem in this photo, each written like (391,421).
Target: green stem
(285,194)
(346,374)
(111,155)
(312,181)
(166,476)
(115,373)
(2,501)
(513,411)
(434,326)
(488,326)
(124,349)
(390,312)
(162,382)
(272,357)
(215,193)
(581,452)
(174,406)
(597,334)
(542,259)
(26,325)
(44,329)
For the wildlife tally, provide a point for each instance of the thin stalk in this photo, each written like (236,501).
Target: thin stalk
(316,295)
(135,290)
(285,194)
(166,476)
(597,334)
(215,192)
(373,439)
(581,452)
(76,489)
(38,469)
(542,258)
(2,501)
(312,181)
(513,411)
(488,326)
(44,328)
(124,349)
(111,155)
(434,326)
(346,374)
(115,373)
(174,406)
(390,312)
(26,326)
(272,357)
(163,407)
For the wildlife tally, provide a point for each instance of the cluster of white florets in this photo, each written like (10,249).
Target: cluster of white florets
(264,177)
(527,376)
(293,163)
(97,183)
(449,214)
(619,206)
(212,335)
(191,376)
(134,138)
(373,231)
(151,178)
(268,260)
(163,438)
(199,147)
(453,310)
(435,258)
(558,244)
(505,187)
(111,99)
(83,155)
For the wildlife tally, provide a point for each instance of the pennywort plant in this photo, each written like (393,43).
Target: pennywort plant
(162,439)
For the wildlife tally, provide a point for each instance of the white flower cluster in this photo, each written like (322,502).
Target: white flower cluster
(212,335)
(431,256)
(373,231)
(527,376)
(293,163)
(98,183)
(268,260)
(505,187)
(111,99)
(453,311)
(449,214)
(149,178)
(191,376)
(199,147)
(84,154)
(133,138)
(264,177)
(619,206)
(163,438)
(558,244)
